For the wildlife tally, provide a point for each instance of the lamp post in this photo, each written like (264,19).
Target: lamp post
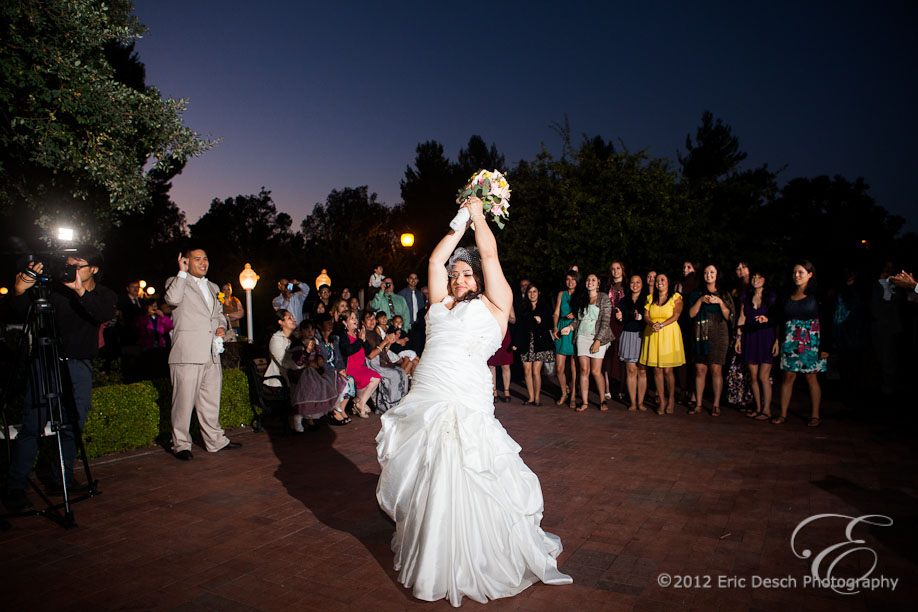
(248,279)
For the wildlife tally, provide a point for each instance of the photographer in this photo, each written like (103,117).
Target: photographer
(391,303)
(292,296)
(81,306)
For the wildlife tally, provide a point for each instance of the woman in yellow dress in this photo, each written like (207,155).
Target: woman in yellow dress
(662,347)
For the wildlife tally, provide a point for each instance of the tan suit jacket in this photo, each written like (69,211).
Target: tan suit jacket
(195,323)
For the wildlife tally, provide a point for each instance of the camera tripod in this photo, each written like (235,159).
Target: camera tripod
(50,390)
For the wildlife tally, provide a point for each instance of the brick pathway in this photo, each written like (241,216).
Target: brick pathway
(290,522)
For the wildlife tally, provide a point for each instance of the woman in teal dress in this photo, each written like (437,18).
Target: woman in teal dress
(564,344)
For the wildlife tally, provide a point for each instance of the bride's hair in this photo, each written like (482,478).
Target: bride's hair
(473,258)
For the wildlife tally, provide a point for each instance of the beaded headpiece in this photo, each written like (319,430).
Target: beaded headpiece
(470,256)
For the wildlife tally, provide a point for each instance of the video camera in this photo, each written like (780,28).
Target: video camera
(54,266)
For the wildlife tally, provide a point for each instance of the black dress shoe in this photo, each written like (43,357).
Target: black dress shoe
(184,455)
(231,446)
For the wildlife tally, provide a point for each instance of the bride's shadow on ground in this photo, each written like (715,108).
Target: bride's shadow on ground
(334,489)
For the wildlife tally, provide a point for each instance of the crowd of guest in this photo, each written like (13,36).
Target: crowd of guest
(708,337)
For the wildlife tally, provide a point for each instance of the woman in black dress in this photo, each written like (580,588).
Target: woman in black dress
(533,339)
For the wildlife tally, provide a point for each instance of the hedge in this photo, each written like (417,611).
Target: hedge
(122,417)
(129,416)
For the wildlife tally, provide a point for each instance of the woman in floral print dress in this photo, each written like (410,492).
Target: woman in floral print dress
(800,346)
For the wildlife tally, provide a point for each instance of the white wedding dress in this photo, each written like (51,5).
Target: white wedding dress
(466,508)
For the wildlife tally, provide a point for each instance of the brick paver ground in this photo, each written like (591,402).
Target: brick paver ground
(290,522)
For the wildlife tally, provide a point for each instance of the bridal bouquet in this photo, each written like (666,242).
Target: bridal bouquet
(494,191)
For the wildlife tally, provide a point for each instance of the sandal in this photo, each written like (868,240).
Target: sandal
(642,408)
(695,410)
(670,409)
(715,411)
(761,416)
(574,403)
(582,407)
(814,422)
(632,408)
(602,406)
(661,411)
(779,420)
(562,400)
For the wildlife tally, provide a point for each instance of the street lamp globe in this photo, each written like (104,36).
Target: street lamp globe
(247,278)
(407,239)
(323,279)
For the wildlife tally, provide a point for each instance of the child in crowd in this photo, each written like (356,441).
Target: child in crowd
(399,353)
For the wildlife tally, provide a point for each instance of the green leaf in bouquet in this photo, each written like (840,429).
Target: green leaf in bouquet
(486,185)
(499,222)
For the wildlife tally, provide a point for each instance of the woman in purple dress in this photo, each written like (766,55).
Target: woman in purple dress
(755,338)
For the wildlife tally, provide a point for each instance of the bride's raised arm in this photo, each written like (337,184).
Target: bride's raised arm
(437,276)
(496,288)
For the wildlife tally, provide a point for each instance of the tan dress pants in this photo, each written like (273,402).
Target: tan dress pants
(196,386)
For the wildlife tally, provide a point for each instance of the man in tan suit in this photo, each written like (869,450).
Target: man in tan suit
(194,364)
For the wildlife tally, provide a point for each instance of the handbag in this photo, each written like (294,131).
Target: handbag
(548,368)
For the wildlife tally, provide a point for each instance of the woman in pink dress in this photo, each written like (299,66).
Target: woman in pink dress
(502,359)
(365,379)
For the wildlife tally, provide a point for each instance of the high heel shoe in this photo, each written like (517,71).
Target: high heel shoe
(506,397)
(562,400)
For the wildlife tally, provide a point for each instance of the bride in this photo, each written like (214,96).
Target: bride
(466,508)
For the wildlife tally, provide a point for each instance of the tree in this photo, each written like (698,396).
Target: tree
(144,243)
(477,156)
(247,229)
(75,134)
(428,195)
(715,152)
(591,206)
(349,234)
(726,199)
(429,189)
(831,221)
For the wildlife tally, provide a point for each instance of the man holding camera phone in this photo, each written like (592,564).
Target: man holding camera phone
(194,361)
(292,296)
(391,303)
(81,306)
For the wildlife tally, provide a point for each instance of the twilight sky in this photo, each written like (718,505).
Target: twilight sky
(310,96)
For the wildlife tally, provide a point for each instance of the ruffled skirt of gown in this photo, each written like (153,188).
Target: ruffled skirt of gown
(467,509)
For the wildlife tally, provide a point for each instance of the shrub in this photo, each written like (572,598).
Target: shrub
(235,407)
(122,417)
